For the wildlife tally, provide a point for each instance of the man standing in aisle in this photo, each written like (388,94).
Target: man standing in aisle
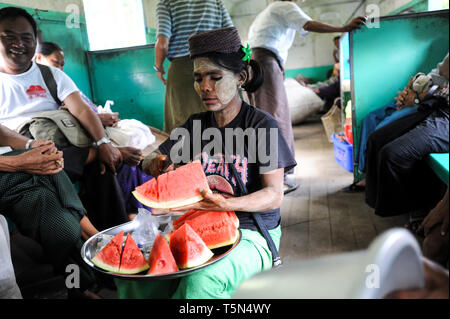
(176,21)
(270,37)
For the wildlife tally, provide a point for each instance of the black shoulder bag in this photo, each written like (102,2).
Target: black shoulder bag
(276,259)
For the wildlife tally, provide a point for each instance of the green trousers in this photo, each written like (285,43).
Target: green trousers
(218,281)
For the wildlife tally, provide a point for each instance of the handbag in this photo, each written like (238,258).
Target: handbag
(58,126)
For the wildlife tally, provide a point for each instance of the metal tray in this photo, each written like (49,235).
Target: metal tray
(90,248)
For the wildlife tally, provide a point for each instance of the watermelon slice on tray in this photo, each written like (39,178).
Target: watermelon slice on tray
(109,257)
(188,248)
(216,229)
(122,260)
(161,260)
(175,188)
(132,261)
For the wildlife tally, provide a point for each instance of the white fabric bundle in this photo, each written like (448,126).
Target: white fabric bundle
(302,101)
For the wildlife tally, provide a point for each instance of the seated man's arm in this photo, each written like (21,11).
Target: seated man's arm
(108,155)
(12,139)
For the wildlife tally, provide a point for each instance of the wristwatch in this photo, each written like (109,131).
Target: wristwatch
(103,140)
(156,69)
(416,99)
(27,146)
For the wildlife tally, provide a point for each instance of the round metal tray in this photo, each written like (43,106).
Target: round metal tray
(90,248)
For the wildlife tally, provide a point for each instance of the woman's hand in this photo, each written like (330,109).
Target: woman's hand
(108,156)
(41,160)
(211,201)
(109,119)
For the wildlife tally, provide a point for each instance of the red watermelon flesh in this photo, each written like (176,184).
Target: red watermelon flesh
(175,188)
(217,229)
(188,248)
(132,261)
(161,260)
(109,257)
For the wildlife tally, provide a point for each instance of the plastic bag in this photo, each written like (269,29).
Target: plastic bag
(148,226)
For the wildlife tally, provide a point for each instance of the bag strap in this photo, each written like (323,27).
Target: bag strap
(50,82)
(276,259)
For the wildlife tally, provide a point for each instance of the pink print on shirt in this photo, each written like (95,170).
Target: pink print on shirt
(36,91)
(216,165)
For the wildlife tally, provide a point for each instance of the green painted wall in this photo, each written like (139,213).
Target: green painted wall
(318,73)
(126,76)
(383,59)
(72,40)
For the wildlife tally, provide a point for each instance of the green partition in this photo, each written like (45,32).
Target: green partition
(126,76)
(383,59)
(72,40)
(317,73)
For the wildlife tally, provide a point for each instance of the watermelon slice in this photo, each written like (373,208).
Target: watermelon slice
(216,229)
(175,188)
(188,248)
(132,261)
(109,257)
(161,259)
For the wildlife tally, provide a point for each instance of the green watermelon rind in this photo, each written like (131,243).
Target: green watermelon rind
(201,259)
(227,243)
(99,263)
(166,205)
(132,271)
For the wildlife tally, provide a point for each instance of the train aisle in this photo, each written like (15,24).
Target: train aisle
(318,218)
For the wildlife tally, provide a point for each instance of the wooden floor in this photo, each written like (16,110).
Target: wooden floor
(318,218)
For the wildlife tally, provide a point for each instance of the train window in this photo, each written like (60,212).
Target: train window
(437,4)
(114,23)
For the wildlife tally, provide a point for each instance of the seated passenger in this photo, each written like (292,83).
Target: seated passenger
(327,90)
(38,197)
(418,86)
(398,181)
(220,69)
(129,176)
(25,94)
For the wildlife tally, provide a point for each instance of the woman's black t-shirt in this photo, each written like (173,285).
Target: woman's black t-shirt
(253,143)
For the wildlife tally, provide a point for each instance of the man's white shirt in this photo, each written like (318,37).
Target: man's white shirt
(24,95)
(275,27)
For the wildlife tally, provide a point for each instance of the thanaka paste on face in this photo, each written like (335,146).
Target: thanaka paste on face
(225,88)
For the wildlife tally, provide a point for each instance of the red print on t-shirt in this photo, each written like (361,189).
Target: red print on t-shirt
(36,91)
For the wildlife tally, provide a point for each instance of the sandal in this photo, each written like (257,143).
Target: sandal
(289,186)
(354,188)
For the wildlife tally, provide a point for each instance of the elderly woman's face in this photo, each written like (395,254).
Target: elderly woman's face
(215,85)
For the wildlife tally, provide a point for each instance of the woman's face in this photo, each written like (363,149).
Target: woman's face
(216,86)
(55,59)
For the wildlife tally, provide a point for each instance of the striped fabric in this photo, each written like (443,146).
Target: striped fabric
(178,19)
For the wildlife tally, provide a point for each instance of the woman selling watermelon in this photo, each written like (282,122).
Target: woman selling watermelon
(252,174)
